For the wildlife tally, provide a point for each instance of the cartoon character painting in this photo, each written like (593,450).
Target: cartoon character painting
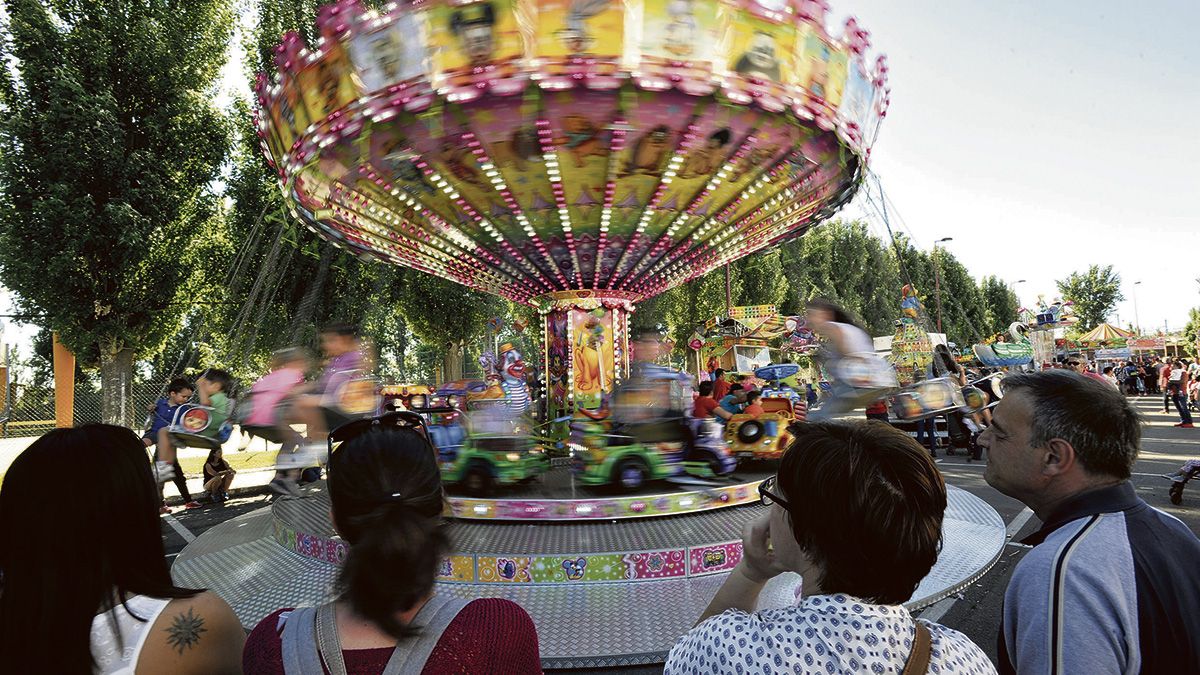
(574,568)
(590,378)
(583,138)
(473,26)
(682,29)
(648,152)
(519,149)
(461,163)
(512,379)
(705,159)
(761,59)
(575,36)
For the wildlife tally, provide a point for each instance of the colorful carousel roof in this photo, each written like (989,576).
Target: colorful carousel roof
(1106,332)
(526,147)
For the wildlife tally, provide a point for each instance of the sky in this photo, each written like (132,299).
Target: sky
(1044,136)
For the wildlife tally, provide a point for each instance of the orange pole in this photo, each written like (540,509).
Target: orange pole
(64,385)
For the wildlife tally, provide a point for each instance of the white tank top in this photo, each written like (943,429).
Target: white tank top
(120,656)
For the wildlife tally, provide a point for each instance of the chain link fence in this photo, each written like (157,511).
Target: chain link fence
(30,408)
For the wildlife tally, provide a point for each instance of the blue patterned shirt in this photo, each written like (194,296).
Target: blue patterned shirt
(823,634)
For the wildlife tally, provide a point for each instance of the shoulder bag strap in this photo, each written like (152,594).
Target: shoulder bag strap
(327,642)
(918,658)
(433,619)
(298,643)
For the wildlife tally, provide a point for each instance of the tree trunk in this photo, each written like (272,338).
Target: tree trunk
(116,380)
(452,362)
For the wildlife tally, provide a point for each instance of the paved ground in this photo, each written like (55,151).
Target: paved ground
(976,611)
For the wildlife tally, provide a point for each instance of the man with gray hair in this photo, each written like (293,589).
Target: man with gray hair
(1111,585)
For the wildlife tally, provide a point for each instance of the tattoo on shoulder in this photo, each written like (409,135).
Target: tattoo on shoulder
(184,632)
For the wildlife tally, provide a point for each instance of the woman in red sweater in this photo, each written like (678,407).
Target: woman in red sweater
(387,503)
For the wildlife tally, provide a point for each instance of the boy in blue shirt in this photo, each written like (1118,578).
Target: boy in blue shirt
(179,391)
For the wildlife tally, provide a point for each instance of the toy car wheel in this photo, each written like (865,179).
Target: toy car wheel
(630,473)
(750,431)
(1176,496)
(478,481)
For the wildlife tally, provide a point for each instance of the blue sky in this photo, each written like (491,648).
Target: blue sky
(1045,136)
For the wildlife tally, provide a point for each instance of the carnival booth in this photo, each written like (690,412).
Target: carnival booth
(576,157)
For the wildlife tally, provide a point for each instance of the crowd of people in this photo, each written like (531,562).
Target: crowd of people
(855,509)
(1177,380)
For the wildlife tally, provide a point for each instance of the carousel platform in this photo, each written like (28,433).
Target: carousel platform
(603,594)
(558,496)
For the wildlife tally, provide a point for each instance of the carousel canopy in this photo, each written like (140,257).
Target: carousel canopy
(532,147)
(1106,332)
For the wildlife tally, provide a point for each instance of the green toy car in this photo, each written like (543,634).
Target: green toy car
(480,460)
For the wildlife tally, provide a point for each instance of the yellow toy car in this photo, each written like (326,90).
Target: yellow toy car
(765,436)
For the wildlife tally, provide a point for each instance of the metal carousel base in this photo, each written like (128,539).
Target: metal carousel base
(602,594)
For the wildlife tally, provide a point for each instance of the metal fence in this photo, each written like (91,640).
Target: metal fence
(30,408)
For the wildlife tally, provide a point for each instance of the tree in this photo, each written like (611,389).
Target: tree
(445,315)
(1001,304)
(1095,294)
(1191,332)
(108,142)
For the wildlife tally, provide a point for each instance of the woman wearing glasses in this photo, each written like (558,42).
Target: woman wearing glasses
(386,492)
(856,510)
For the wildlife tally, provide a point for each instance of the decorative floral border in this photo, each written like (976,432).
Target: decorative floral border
(605,567)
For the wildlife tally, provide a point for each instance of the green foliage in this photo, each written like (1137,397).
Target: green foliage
(1191,333)
(1001,304)
(108,143)
(1095,294)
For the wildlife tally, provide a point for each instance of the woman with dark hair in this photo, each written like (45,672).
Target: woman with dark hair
(844,342)
(386,491)
(856,510)
(88,590)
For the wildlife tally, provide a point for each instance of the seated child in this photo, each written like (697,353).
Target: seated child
(179,391)
(753,407)
(212,387)
(218,475)
(270,406)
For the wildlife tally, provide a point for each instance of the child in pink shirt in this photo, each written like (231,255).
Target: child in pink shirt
(270,398)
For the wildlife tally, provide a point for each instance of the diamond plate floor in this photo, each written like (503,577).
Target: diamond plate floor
(580,626)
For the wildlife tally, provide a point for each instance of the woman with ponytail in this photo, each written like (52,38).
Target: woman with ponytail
(386,492)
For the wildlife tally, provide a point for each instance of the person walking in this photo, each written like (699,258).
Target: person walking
(1111,584)
(1177,387)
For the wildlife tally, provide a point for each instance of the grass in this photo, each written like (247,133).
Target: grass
(246,460)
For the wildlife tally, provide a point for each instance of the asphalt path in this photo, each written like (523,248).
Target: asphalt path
(976,610)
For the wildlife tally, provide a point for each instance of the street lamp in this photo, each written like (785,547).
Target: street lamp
(1136,321)
(937,279)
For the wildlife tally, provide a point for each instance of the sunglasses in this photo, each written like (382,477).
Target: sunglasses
(768,493)
(402,419)
(1072,363)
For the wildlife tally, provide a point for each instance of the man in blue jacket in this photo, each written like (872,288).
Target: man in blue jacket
(1112,585)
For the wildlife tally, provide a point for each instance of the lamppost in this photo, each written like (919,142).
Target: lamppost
(1013,289)
(937,278)
(1137,324)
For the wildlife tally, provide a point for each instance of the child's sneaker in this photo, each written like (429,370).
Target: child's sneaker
(164,471)
(164,510)
(193,505)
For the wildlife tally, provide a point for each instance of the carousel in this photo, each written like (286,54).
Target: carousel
(578,157)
